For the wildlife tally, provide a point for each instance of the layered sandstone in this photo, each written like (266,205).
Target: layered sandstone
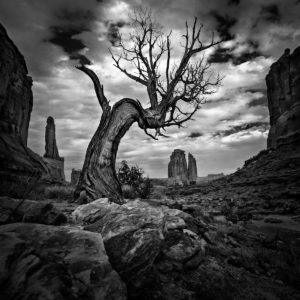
(54,162)
(18,164)
(75,176)
(283,84)
(192,168)
(177,168)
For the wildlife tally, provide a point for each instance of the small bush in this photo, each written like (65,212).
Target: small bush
(133,182)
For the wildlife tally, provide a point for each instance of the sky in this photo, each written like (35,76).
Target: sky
(233,124)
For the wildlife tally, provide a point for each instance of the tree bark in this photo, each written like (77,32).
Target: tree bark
(98,177)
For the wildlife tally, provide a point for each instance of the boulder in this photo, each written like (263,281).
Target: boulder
(48,262)
(12,210)
(30,211)
(283,86)
(44,213)
(145,243)
(138,227)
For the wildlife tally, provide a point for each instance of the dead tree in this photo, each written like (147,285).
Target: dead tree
(176,89)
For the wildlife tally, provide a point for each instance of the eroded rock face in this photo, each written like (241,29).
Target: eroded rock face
(283,84)
(192,168)
(75,176)
(30,211)
(15,89)
(48,262)
(54,162)
(177,168)
(146,244)
(18,164)
(51,150)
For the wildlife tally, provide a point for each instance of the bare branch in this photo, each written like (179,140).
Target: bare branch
(188,81)
(104,103)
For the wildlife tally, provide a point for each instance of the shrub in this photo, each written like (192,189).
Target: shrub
(133,182)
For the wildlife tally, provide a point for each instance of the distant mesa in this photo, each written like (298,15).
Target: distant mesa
(283,85)
(179,172)
(54,162)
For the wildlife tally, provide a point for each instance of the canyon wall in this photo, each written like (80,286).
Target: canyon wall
(18,164)
(283,85)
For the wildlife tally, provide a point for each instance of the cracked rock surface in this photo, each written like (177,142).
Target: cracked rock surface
(48,262)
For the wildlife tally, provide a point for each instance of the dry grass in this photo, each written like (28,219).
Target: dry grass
(59,192)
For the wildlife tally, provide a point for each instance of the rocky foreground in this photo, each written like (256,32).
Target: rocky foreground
(205,248)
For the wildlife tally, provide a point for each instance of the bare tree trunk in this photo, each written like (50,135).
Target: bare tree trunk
(98,177)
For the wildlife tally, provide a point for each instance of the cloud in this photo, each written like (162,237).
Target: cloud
(54,35)
(194,135)
(224,25)
(263,126)
(270,13)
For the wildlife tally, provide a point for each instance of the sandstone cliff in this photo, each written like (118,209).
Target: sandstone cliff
(283,83)
(17,162)
(177,168)
(192,168)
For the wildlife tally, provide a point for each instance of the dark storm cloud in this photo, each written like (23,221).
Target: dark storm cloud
(234,2)
(71,24)
(221,55)
(224,24)
(224,55)
(244,127)
(249,52)
(271,13)
(64,37)
(194,135)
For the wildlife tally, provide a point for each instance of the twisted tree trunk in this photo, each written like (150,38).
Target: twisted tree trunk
(98,177)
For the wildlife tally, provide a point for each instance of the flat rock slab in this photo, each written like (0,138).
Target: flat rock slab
(48,262)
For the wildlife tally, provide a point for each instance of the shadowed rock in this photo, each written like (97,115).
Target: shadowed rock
(283,83)
(75,176)
(192,168)
(54,162)
(177,168)
(18,164)
(51,150)
(48,262)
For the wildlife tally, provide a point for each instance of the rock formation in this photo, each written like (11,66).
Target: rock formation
(50,262)
(283,83)
(18,164)
(75,176)
(192,168)
(178,171)
(54,162)
(51,150)
(177,168)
